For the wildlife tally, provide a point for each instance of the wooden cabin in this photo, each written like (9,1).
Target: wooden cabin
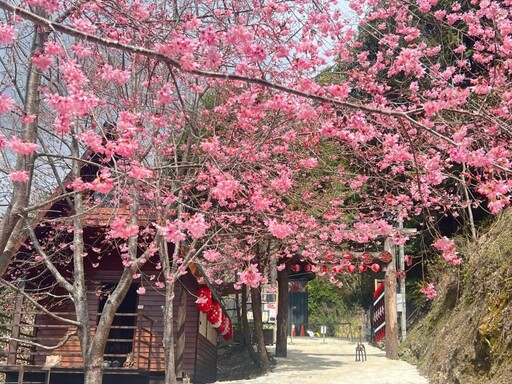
(134,351)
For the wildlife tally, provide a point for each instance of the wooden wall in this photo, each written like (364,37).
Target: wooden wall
(196,351)
(206,365)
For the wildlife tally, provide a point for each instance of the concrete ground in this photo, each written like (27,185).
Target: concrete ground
(311,361)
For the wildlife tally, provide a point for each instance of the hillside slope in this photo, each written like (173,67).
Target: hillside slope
(466,337)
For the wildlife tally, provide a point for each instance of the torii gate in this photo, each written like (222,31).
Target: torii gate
(390,294)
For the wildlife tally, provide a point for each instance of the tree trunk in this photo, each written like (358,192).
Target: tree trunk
(246,331)
(168,315)
(93,369)
(11,225)
(390,305)
(169,355)
(258,329)
(282,312)
(180,331)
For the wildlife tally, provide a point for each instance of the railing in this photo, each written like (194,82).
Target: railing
(338,329)
(24,333)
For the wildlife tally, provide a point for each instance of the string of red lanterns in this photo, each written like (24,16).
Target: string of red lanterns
(214,314)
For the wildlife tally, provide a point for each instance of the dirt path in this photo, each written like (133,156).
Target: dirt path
(310,361)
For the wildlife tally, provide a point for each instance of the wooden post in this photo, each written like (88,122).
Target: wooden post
(16,325)
(282,312)
(390,304)
(140,308)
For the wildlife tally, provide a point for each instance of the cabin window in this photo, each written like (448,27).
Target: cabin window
(122,332)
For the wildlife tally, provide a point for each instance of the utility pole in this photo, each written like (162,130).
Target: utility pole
(390,303)
(401,265)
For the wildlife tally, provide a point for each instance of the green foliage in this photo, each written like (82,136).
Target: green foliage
(329,305)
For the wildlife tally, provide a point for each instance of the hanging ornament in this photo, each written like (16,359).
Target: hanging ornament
(214,315)
(385,257)
(204,296)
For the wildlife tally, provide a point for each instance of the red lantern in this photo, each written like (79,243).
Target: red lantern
(295,268)
(375,268)
(351,268)
(366,258)
(229,333)
(204,296)
(307,267)
(223,323)
(347,256)
(214,315)
(362,268)
(385,257)
(227,327)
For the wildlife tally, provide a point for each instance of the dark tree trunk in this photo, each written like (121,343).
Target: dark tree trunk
(258,329)
(282,312)
(246,331)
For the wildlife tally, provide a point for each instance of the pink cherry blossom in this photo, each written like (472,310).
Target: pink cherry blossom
(172,231)
(279,230)
(19,176)
(22,147)
(7,34)
(6,103)
(251,276)
(308,163)
(429,290)
(43,62)
(117,76)
(211,255)
(447,247)
(139,172)
(119,228)
(196,226)
(141,290)
(225,188)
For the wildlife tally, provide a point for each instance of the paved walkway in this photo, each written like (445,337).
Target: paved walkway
(310,361)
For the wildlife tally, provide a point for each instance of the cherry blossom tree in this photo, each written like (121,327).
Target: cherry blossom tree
(243,122)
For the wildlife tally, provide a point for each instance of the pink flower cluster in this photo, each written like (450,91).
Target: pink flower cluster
(6,103)
(251,276)
(116,76)
(196,226)
(140,172)
(308,163)
(429,290)
(211,255)
(41,61)
(172,231)
(49,5)
(19,176)
(498,193)
(447,247)
(22,147)
(119,228)
(7,34)
(225,188)
(279,230)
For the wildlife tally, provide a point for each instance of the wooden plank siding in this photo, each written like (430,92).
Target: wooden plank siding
(206,363)
(199,355)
